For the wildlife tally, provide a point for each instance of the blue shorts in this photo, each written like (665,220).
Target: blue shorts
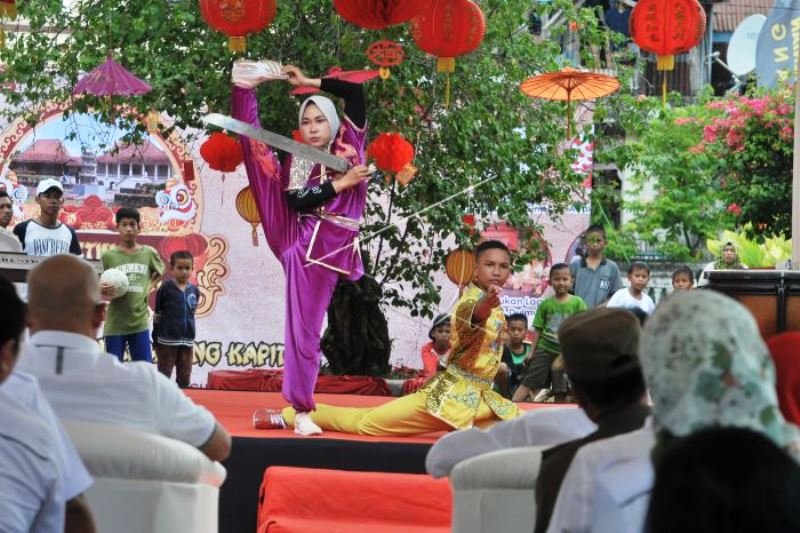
(138,344)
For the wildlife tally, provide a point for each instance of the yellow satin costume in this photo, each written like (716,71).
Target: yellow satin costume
(456,398)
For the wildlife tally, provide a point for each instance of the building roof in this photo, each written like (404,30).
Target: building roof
(146,153)
(47,151)
(730,13)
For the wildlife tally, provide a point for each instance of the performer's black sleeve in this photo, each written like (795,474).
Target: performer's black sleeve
(310,197)
(353,94)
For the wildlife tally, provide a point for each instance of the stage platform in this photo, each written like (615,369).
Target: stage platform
(255,450)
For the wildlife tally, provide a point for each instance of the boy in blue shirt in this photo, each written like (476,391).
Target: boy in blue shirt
(173,324)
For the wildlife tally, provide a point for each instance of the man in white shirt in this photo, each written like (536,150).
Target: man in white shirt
(547,426)
(607,486)
(24,389)
(31,495)
(86,384)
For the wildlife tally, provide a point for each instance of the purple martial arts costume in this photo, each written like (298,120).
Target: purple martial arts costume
(309,286)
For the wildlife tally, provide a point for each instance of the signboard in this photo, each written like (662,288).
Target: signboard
(778,44)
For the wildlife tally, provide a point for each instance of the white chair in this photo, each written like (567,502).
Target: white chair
(146,483)
(496,491)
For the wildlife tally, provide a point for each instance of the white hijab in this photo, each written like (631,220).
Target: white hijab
(326,106)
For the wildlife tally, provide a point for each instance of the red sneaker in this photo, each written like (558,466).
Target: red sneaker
(268,419)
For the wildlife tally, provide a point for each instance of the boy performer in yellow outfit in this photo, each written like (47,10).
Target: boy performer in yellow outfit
(459,396)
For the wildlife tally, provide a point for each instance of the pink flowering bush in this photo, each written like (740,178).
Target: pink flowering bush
(750,138)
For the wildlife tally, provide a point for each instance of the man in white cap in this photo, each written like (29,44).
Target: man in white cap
(45,235)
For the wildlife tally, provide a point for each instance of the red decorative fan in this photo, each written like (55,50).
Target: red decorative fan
(336,73)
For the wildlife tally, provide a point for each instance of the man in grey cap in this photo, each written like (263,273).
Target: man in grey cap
(600,351)
(45,235)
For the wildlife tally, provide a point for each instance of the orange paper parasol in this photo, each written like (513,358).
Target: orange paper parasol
(569,84)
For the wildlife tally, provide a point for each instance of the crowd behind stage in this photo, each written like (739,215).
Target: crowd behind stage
(685,418)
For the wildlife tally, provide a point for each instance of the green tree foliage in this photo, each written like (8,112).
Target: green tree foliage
(490,132)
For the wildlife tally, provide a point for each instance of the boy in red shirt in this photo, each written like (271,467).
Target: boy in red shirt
(435,353)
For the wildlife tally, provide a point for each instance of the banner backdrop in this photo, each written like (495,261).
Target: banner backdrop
(186,205)
(778,44)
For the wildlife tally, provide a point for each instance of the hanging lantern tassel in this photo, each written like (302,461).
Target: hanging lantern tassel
(407,174)
(663,65)
(447,65)
(152,120)
(8,9)
(255,235)
(237,45)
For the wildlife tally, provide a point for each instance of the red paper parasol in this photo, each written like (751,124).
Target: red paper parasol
(336,73)
(110,79)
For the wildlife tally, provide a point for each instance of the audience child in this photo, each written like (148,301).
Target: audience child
(633,296)
(436,352)
(173,321)
(44,235)
(460,396)
(705,366)
(128,317)
(83,383)
(550,314)
(8,241)
(683,279)
(725,480)
(600,349)
(516,353)
(596,277)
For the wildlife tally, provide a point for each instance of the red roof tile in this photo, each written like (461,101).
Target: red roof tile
(47,151)
(728,14)
(146,153)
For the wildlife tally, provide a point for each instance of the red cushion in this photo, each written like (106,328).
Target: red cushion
(307,499)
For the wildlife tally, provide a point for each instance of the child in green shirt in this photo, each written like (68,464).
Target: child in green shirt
(128,316)
(550,314)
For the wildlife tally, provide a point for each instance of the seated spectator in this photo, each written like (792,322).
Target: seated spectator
(725,480)
(31,492)
(516,354)
(75,479)
(785,350)
(540,427)
(600,351)
(435,353)
(83,383)
(705,365)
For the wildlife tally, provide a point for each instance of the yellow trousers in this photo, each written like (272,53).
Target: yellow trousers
(404,416)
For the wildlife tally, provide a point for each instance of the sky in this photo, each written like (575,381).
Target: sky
(90,133)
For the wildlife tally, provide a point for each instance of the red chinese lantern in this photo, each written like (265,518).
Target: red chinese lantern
(393,154)
(385,54)
(666,28)
(222,152)
(378,14)
(447,29)
(237,18)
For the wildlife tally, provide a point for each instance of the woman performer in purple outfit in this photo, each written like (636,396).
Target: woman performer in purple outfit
(310,215)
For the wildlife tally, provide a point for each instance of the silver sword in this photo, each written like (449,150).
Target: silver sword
(278,141)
